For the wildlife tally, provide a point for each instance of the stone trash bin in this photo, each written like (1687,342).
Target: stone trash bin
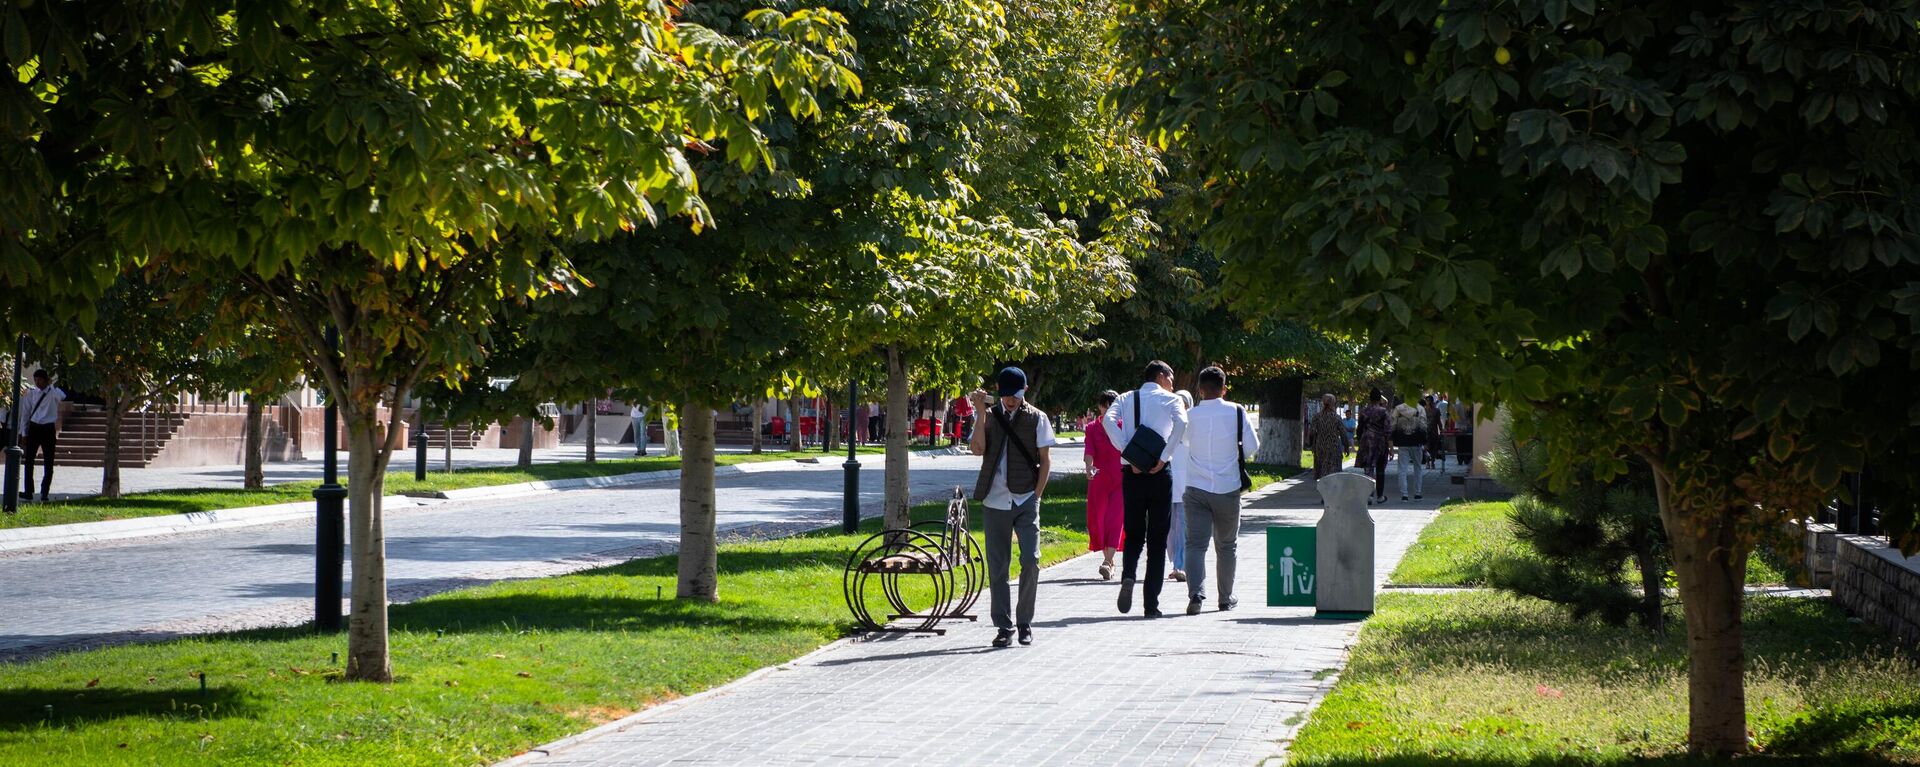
(1344,548)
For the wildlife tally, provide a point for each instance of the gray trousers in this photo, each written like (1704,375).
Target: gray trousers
(1001,526)
(1215,517)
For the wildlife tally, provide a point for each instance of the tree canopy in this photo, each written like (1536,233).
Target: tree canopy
(1701,221)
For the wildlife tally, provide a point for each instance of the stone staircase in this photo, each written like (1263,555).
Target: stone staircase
(463,437)
(83,441)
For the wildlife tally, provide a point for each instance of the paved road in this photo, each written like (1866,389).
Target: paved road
(259,576)
(1097,687)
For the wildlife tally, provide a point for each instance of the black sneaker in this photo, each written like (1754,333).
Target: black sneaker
(1403,499)
(1126,595)
(1004,638)
(1229,603)
(1154,612)
(1193,606)
(1416,496)
(1026,636)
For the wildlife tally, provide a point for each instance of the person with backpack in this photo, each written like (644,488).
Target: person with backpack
(1220,438)
(1410,438)
(1014,438)
(1373,434)
(1148,424)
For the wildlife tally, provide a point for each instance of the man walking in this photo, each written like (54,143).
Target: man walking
(1015,437)
(1220,437)
(638,413)
(39,427)
(1147,424)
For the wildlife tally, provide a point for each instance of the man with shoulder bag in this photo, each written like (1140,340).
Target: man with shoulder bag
(1015,437)
(1220,439)
(1148,424)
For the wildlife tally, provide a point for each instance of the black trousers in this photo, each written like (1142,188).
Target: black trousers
(40,439)
(1148,500)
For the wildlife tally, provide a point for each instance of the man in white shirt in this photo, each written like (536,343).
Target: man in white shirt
(1146,489)
(1015,438)
(1219,437)
(40,422)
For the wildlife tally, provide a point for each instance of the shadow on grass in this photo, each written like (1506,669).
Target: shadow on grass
(1849,728)
(544,612)
(23,708)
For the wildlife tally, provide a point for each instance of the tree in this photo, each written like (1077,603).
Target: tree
(393,172)
(1582,535)
(142,350)
(1702,220)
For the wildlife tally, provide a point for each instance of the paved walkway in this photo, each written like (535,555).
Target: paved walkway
(1096,688)
(165,587)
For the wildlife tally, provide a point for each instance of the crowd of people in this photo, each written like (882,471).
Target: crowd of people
(1165,474)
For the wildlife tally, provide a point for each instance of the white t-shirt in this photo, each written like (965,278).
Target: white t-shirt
(42,406)
(998,496)
(638,412)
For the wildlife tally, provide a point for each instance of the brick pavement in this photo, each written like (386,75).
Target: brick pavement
(158,588)
(1096,688)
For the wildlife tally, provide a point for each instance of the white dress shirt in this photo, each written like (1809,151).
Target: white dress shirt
(1160,410)
(998,496)
(42,406)
(1212,427)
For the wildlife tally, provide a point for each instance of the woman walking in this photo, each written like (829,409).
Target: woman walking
(1373,430)
(1436,450)
(1410,436)
(1177,521)
(1106,515)
(1326,434)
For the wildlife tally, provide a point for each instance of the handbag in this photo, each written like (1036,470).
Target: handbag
(1240,450)
(1144,448)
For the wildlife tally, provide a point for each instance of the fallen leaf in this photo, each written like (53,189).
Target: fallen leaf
(1547,692)
(501,656)
(1356,725)
(95,682)
(525,674)
(451,683)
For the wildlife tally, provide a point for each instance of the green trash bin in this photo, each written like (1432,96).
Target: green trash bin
(1290,565)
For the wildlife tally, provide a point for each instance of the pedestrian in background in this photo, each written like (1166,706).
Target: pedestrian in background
(1410,437)
(1220,438)
(1373,429)
(1154,422)
(638,413)
(40,424)
(1106,512)
(1434,451)
(1328,437)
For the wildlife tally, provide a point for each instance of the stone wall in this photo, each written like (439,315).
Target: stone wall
(1876,583)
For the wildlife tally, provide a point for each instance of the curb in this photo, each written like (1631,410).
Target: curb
(46,536)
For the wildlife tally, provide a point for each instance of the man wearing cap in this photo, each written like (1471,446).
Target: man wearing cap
(1015,437)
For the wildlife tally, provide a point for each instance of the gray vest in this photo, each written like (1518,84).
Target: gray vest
(1022,477)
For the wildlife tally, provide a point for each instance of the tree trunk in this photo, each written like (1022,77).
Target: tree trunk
(1280,431)
(1711,565)
(525,460)
(446,447)
(759,416)
(256,444)
(793,423)
(899,428)
(829,426)
(669,435)
(593,429)
(699,576)
(110,463)
(367,659)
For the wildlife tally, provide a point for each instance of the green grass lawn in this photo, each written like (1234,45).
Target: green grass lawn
(163,502)
(1483,679)
(483,673)
(1460,546)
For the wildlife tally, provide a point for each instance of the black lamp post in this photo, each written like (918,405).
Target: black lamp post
(12,484)
(420,452)
(850,504)
(330,526)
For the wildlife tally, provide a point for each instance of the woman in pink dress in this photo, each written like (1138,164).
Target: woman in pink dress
(1105,513)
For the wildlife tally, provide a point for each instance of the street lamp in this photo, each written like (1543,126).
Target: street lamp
(12,483)
(850,504)
(330,525)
